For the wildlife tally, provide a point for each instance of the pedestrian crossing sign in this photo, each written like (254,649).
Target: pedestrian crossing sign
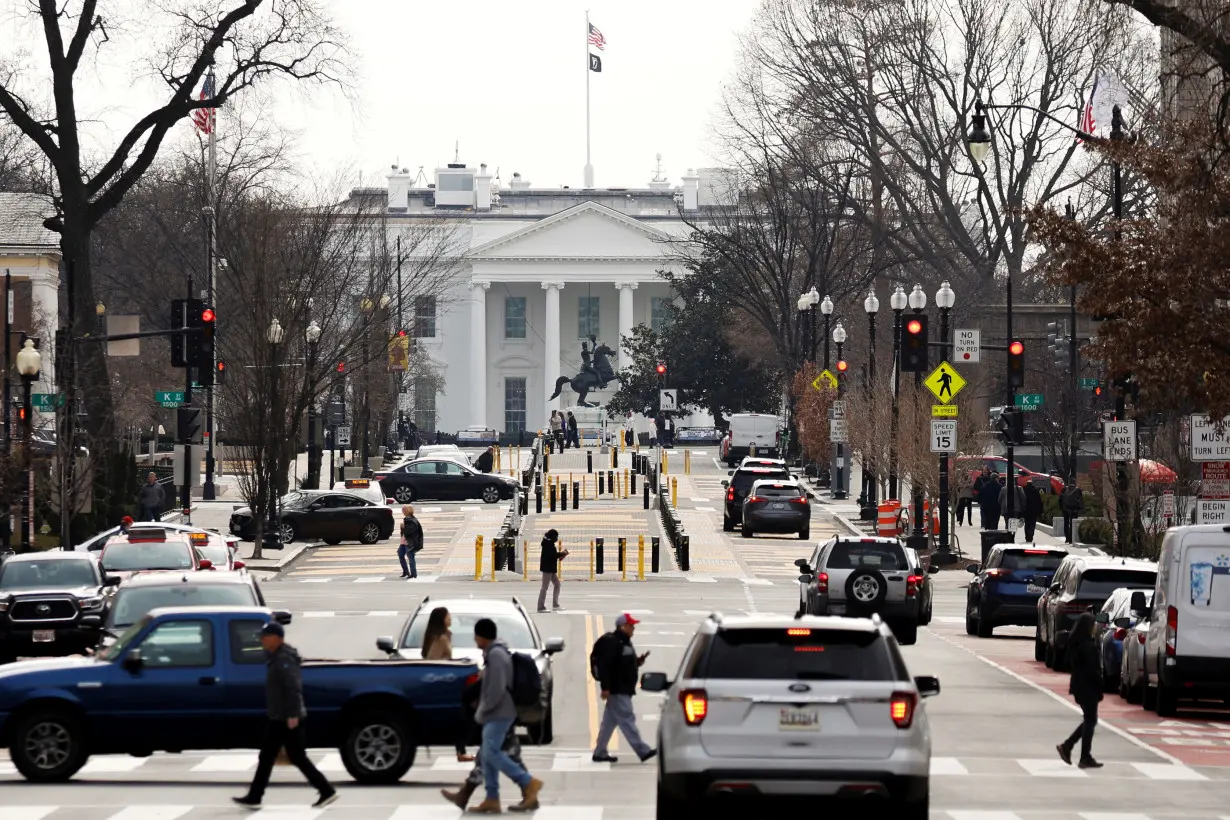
(825,379)
(945,382)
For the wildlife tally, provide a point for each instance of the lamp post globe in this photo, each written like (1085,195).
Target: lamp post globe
(898,300)
(839,333)
(275,333)
(804,303)
(29,360)
(979,139)
(826,306)
(312,334)
(918,298)
(944,297)
(871,304)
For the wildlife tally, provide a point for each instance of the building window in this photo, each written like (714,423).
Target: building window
(657,312)
(425,317)
(587,317)
(514,317)
(514,404)
(425,406)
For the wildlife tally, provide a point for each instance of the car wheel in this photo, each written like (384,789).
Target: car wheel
(1039,647)
(7,656)
(333,542)
(985,626)
(48,746)
(971,625)
(915,809)
(379,748)
(930,614)
(491,494)
(1050,656)
(1134,693)
(805,534)
(727,524)
(288,532)
(866,589)
(1165,702)
(370,533)
(403,494)
(671,808)
(543,732)
(906,633)
(746,530)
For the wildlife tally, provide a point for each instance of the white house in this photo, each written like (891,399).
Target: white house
(545,268)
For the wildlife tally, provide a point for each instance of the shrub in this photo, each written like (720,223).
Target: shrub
(1097,531)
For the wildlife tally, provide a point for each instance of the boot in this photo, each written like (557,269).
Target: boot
(460,797)
(529,797)
(488,806)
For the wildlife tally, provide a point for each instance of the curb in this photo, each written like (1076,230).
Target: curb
(276,564)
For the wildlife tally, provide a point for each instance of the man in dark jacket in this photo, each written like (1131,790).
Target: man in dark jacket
(1085,687)
(574,432)
(988,500)
(151,499)
(1033,509)
(548,565)
(618,670)
(1071,503)
(411,543)
(485,462)
(284,705)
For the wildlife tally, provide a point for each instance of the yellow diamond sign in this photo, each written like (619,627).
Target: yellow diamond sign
(945,382)
(825,379)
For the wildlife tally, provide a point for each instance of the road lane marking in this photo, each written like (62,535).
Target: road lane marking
(1114,815)
(323,613)
(28,812)
(947,766)
(983,815)
(1167,771)
(150,813)
(111,765)
(227,763)
(1049,768)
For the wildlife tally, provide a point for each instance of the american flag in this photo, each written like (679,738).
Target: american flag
(595,38)
(1087,121)
(204,117)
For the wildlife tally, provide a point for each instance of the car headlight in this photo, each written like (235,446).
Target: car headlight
(4,606)
(91,604)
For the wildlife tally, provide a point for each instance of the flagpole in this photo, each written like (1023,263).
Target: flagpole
(208,489)
(589,168)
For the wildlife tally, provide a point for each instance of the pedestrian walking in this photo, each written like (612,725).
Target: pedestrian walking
(496,713)
(574,432)
(1033,509)
(1017,510)
(614,662)
(988,500)
(548,565)
(510,747)
(1071,504)
(1085,687)
(285,710)
(485,462)
(411,543)
(557,430)
(151,499)
(965,504)
(629,430)
(438,646)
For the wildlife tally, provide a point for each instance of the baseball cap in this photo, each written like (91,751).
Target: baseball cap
(127,520)
(626,619)
(273,628)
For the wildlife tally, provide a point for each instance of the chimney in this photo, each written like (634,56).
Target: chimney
(399,188)
(482,189)
(519,184)
(691,190)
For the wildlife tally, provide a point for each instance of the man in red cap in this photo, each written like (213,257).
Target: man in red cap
(126,524)
(616,666)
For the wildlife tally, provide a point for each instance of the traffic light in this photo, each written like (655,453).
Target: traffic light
(1012,426)
(341,367)
(661,371)
(191,427)
(209,327)
(914,344)
(842,367)
(220,372)
(186,347)
(1016,364)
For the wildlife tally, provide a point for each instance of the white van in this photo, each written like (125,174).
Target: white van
(1187,648)
(749,430)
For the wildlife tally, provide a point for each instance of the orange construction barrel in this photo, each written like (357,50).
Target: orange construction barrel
(886,519)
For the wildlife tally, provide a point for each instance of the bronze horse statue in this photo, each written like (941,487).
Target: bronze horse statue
(595,377)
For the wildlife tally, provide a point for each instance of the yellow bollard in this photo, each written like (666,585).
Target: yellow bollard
(621,441)
(525,559)
(687,462)
(674,492)
(640,558)
(498,451)
(591,559)
(666,462)
(625,483)
(478,558)
(559,568)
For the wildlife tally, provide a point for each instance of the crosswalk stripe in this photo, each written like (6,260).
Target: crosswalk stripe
(112,764)
(947,766)
(227,763)
(151,813)
(1167,771)
(27,812)
(324,613)
(1114,815)
(1049,768)
(289,813)
(983,815)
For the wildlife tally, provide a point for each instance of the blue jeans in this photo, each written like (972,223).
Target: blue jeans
(496,760)
(404,552)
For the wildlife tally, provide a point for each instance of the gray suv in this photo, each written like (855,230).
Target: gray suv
(861,577)
(769,708)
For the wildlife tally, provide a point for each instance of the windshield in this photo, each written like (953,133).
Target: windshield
(810,654)
(1037,560)
(133,603)
(1102,582)
(743,480)
(512,629)
(216,554)
(47,573)
(122,643)
(878,554)
(775,491)
(122,556)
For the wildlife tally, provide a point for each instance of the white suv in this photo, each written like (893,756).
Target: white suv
(772,707)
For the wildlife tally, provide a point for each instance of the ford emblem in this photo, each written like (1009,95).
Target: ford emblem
(799,687)
(43,608)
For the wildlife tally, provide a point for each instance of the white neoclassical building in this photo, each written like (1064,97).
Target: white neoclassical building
(544,269)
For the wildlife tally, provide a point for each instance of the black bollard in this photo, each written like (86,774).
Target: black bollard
(576,495)
(685,548)
(538,499)
(563,495)
(511,544)
(551,495)
(615,457)
(525,503)
(646,495)
(655,553)
(546,462)
(623,549)
(601,484)
(589,461)
(632,483)
(610,482)
(598,555)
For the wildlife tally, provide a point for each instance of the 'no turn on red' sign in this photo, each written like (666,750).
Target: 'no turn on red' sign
(966,346)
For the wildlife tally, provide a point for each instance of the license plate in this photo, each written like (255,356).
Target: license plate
(837,609)
(1033,588)
(779,506)
(799,720)
(44,635)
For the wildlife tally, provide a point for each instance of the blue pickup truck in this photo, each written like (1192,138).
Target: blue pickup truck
(183,679)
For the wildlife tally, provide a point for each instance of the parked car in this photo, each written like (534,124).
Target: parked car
(1110,637)
(329,516)
(148,549)
(926,589)
(444,479)
(366,488)
(974,465)
(1187,653)
(513,625)
(859,577)
(51,604)
(739,485)
(1006,589)
(1082,584)
(132,698)
(777,506)
(767,708)
(1132,666)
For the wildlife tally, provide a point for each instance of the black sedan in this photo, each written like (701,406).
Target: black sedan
(777,506)
(443,479)
(331,517)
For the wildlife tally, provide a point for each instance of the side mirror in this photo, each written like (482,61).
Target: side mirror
(806,578)
(725,483)
(932,569)
(655,682)
(385,644)
(282,616)
(973,569)
(1138,603)
(553,645)
(928,686)
(1102,618)
(132,661)
(240,565)
(1123,623)
(111,581)
(1054,589)
(206,564)
(801,563)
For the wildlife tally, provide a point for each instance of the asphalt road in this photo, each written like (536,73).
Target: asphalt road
(995,724)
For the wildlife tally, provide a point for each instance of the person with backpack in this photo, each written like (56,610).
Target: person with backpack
(511,747)
(508,679)
(411,543)
(615,665)
(548,565)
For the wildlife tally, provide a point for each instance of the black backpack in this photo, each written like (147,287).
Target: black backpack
(526,686)
(596,652)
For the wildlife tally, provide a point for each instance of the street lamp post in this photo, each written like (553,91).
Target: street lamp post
(868,502)
(29,365)
(826,308)
(944,300)
(837,489)
(918,302)
(312,334)
(897,302)
(273,527)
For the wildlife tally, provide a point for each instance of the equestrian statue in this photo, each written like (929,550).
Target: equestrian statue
(596,372)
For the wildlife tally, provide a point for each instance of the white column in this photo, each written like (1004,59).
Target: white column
(45,306)
(478,351)
(551,342)
(627,290)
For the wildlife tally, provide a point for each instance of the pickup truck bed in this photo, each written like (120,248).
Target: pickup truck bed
(184,679)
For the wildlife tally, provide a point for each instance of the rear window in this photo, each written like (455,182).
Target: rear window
(875,554)
(133,603)
(743,480)
(814,654)
(1103,582)
(1023,559)
(784,491)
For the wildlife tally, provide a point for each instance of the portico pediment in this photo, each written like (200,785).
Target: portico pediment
(586,231)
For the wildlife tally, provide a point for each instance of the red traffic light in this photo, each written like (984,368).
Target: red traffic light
(401,333)
(208,315)
(661,369)
(913,327)
(341,367)
(842,365)
(1097,391)
(221,366)
(1016,348)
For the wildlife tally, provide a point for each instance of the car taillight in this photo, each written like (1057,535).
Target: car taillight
(800,500)
(730,494)
(822,582)
(912,583)
(998,573)
(752,499)
(1120,634)
(902,709)
(473,679)
(695,705)
(1140,638)
(1172,629)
